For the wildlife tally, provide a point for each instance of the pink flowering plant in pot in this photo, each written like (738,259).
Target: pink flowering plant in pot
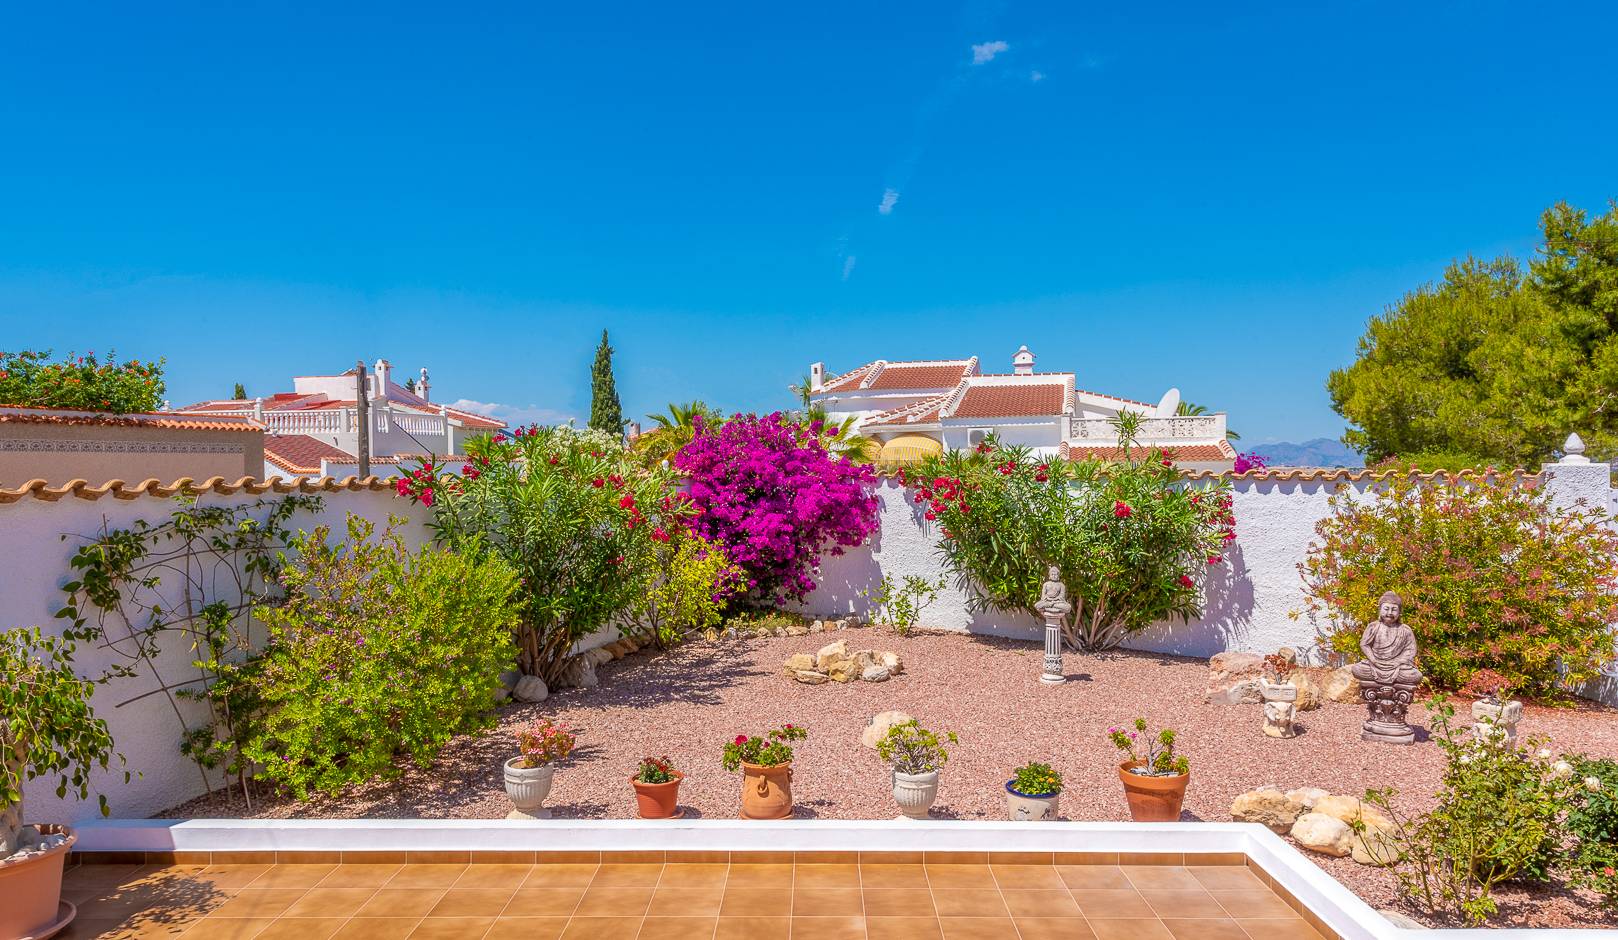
(528,776)
(771,495)
(1133,539)
(766,765)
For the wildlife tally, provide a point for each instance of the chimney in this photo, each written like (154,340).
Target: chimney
(817,376)
(379,391)
(421,386)
(1023,362)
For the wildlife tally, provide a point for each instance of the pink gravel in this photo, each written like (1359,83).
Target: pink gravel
(687,702)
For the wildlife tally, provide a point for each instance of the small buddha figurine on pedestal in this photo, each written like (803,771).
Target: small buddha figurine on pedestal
(1054,606)
(1388,675)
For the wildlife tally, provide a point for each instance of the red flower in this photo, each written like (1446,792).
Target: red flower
(598,483)
(554,461)
(1121,509)
(741,739)
(628,502)
(1185,580)
(427,497)
(1215,559)
(659,535)
(618,560)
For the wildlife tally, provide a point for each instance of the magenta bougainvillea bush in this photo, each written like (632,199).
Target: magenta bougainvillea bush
(768,491)
(1249,461)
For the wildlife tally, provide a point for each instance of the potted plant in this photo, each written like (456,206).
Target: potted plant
(657,788)
(766,765)
(915,754)
(1276,683)
(1154,778)
(528,775)
(47,728)
(1033,792)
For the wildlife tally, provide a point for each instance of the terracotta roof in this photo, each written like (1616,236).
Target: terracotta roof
(1182,452)
(1020,400)
(920,412)
(300,453)
(920,374)
(119,489)
(25,414)
(1085,391)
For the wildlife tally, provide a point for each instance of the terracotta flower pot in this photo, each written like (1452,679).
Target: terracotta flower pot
(528,787)
(1021,807)
(32,889)
(766,791)
(1152,799)
(658,800)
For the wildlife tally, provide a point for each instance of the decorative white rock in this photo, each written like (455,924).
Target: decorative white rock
(877,728)
(1279,719)
(1327,835)
(530,689)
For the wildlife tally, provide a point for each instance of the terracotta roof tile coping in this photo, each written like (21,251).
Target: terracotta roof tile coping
(29,414)
(119,489)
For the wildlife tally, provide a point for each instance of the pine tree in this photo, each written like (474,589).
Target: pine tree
(240,394)
(606,414)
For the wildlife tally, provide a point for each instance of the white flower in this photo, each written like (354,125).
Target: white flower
(1466,758)
(1592,783)
(1562,769)
(1544,753)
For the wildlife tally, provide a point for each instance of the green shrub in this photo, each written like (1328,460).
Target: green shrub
(1493,576)
(1036,779)
(1593,824)
(900,605)
(912,749)
(374,653)
(689,596)
(83,383)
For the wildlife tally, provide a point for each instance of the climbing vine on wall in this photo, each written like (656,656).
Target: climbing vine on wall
(219,562)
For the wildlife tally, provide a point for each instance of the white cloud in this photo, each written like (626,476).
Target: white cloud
(890,198)
(848,266)
(986,51)
(1036,76)
(514,415)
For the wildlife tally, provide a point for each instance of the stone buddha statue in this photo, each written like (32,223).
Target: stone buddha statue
(1388,675)
(1053,602)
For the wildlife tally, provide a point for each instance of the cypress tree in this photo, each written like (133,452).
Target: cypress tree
(239,393)
(606,414)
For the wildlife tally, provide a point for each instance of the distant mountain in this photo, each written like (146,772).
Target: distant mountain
(1320,452)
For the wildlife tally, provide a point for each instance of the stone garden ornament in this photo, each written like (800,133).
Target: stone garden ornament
(1388,676)
(1054,606)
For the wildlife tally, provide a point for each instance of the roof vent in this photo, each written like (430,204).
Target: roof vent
(1023,362)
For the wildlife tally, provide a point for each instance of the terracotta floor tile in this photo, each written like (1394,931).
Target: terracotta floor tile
(763,875)
(1135,928)
(829,928)
(293,876)
(627,876)
(472,902)
(970,902)
(228,928)
(1053,928)
(827,876)
(893,876)
(1227,878)
(960,876)
(377,928)
(977,928)
(694,876)
(265,902)
(902,928)
(530,928)
(1094,877)
(330,902)
(1205,928)
(685,902)
(1197,903)
(90,928)
(560,876)
(104,874)
(1247,904)
(302,928)
(602,928)
(756,902)
(544,902)
(426,876)
(676,928)
(753,928)
(899,902)
(393,901)
(451,928)
(1161,878)
(1279,928)
(1105,902)
(231,877)
(827,902)
(359,876)
(614,902)
(494,876)
(1027,877)
(1042,903)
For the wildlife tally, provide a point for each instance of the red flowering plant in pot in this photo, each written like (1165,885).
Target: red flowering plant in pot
(1154,777)
(766,765)
(657,788)
(528,776)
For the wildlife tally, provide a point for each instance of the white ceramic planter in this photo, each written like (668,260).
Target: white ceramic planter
(915,793)
(528,787)
(1278,691)
(1024,808)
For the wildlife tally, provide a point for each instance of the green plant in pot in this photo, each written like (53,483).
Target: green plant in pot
(915,754)
(1153,775)
(766,765)
(47,729)
(657,788)
(1033,792)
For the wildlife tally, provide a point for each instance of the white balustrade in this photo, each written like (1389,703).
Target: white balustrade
(1152,430)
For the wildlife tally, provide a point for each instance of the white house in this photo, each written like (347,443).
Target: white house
(314,429)
(924,407)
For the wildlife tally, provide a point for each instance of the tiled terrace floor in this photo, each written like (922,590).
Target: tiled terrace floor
(678,901)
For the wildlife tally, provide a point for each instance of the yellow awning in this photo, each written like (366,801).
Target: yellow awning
(910,449)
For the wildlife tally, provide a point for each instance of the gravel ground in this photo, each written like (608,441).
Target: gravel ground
(686,703)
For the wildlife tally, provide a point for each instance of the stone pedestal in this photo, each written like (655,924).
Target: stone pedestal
(1496,722)
(1053,653)
(1280,719)
(1386,704)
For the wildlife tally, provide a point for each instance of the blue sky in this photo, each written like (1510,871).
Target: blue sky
(1214,196)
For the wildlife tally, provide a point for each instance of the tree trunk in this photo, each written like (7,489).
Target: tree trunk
(11,813)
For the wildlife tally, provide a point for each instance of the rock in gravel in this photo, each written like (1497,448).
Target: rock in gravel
(819,626)
(1307,796)
(579,672)
(832,652)
(1267,806)
(1373,845)
(1310,694)
(530,689)
(842,624)
(892,662)
(844,670)
(1327,835)
(877,728)
(875,674)
(797,629)
(798,662)
(1341,686)
(599,655)
(1233,678)
(810,676)
(1348,809)
(1400,920)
